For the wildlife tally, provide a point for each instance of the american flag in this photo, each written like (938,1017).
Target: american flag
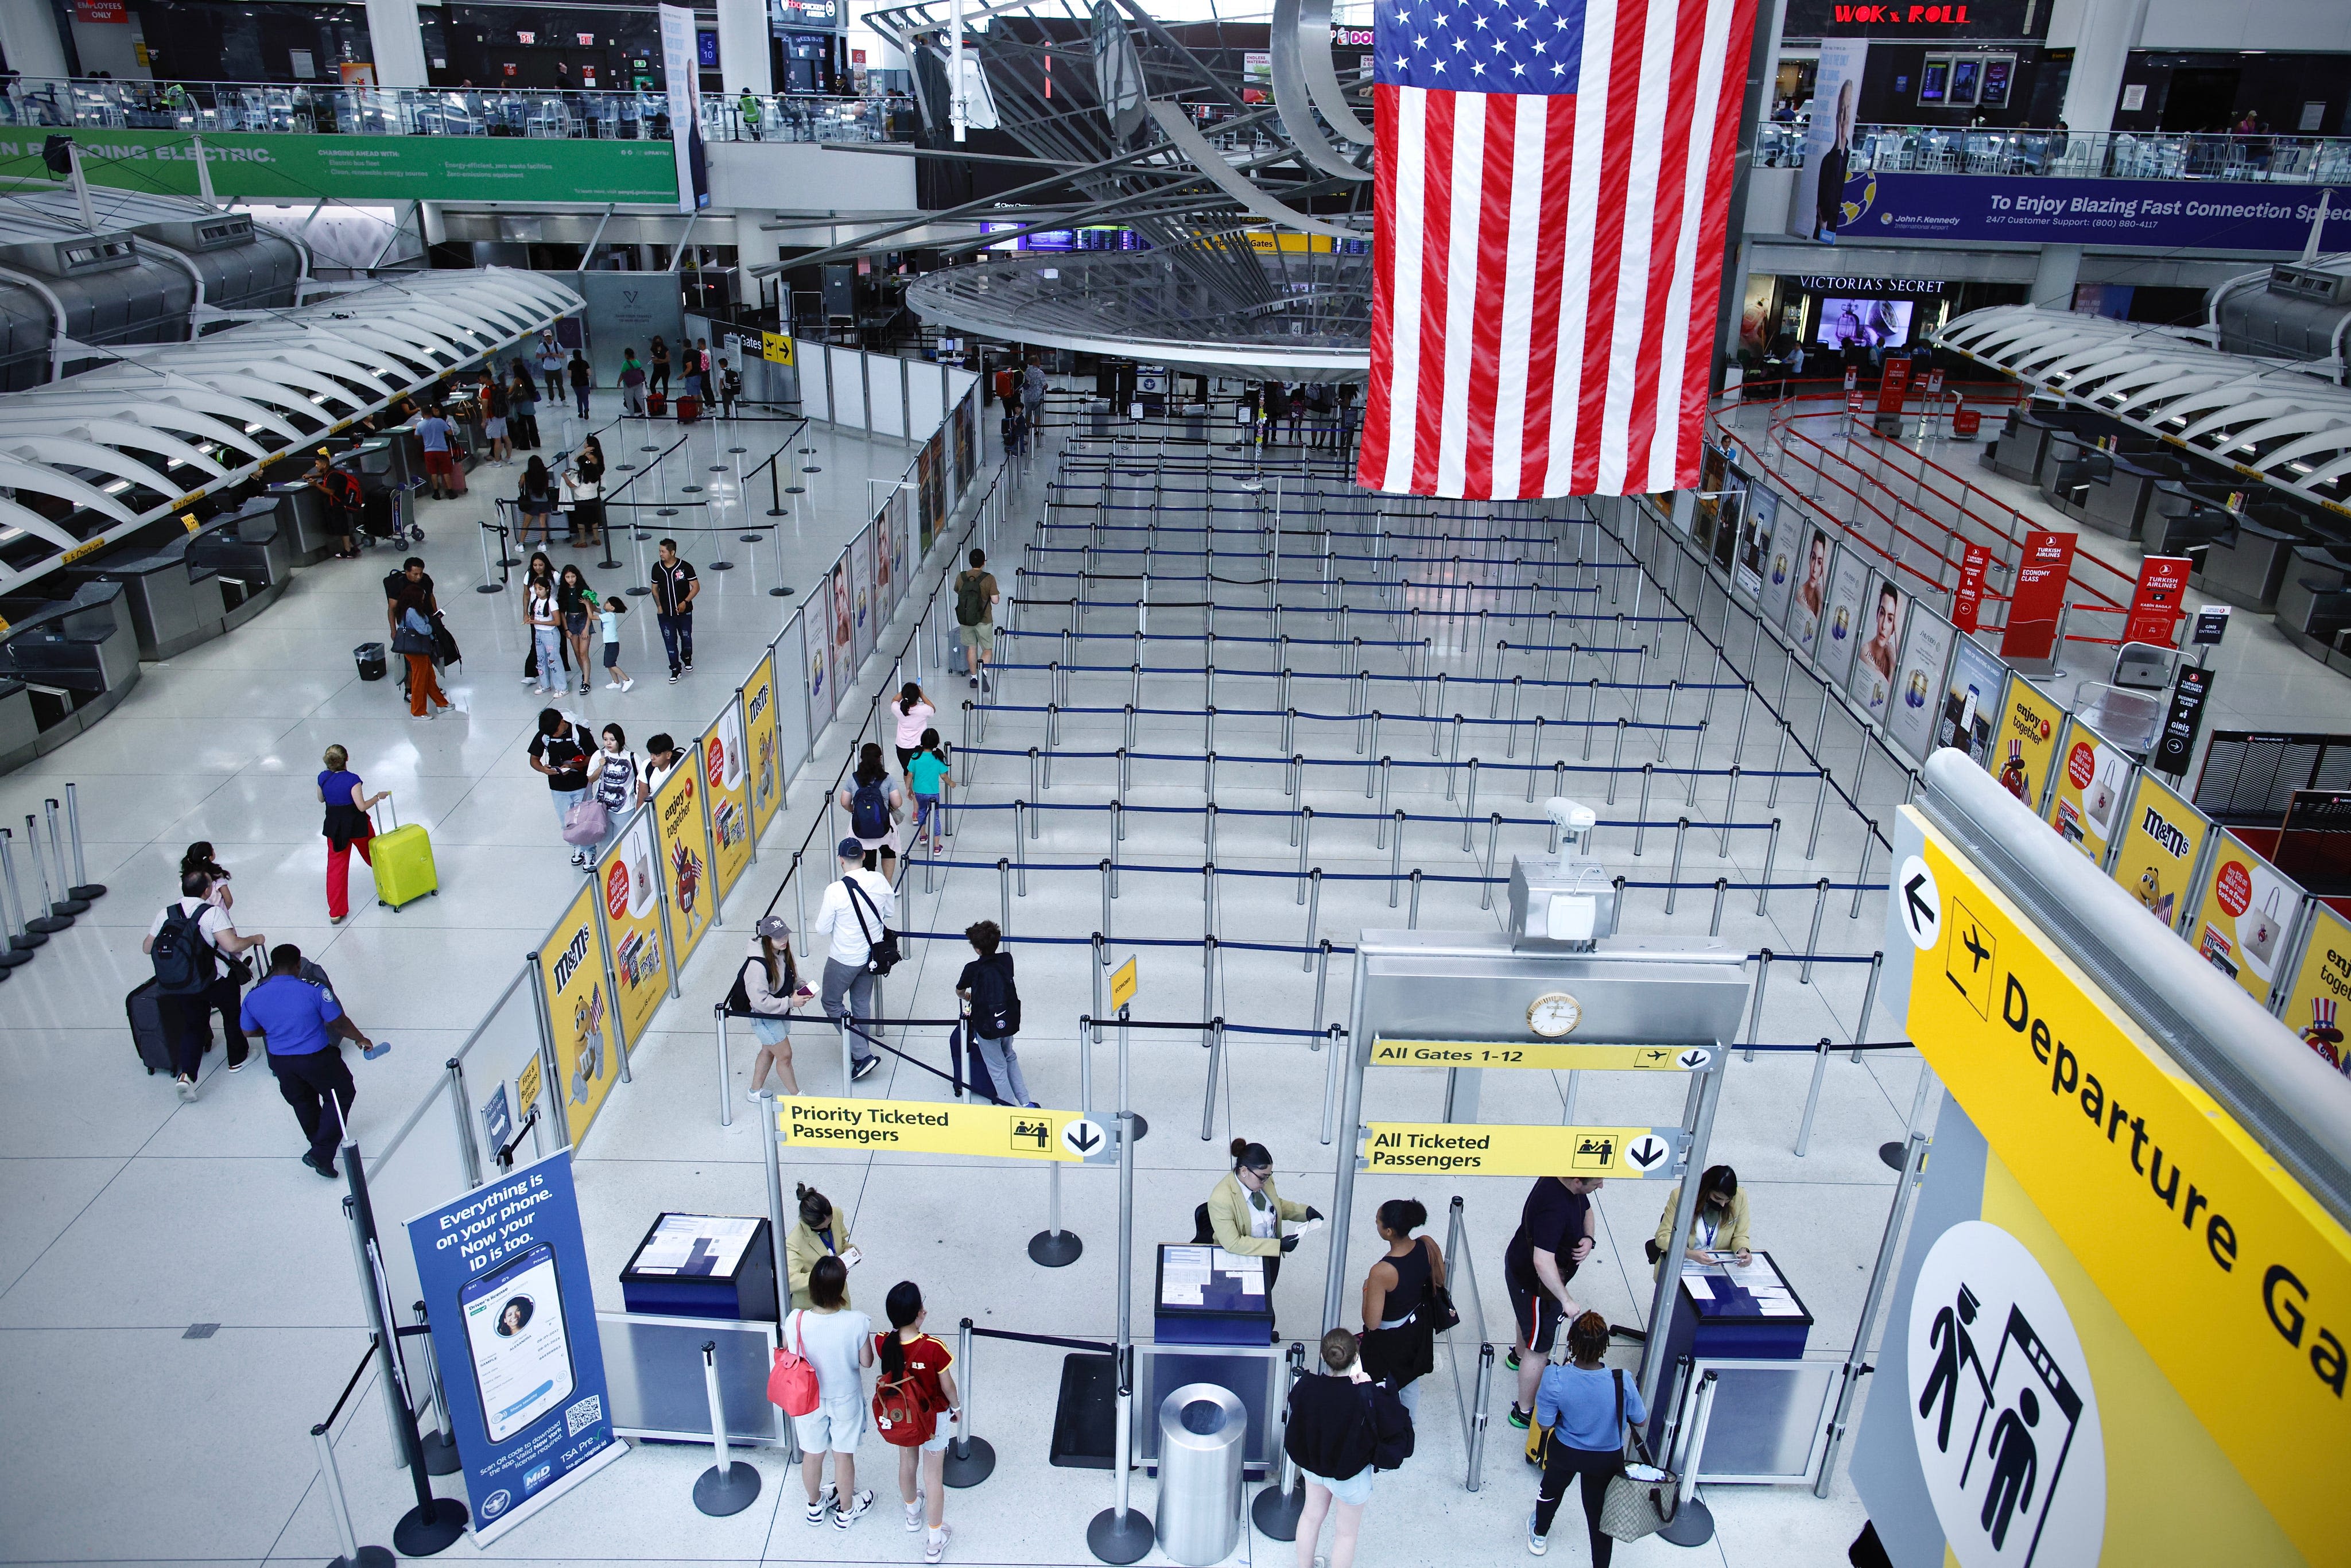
(1551,189)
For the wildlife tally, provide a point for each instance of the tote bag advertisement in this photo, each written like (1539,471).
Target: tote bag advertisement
(2086,806)
(727,782)
(630,907)
(2249,912)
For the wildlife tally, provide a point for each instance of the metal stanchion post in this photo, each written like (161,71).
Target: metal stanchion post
(51,917)
(1313,912)
(353,1554)
(1868,999)
(1812,942)
(81,887)
(969,1459)
(1755,1018)
(726,1071)
(1481,1413)
(1813,1097)
(440,1445)
(729,1485)
(489,584)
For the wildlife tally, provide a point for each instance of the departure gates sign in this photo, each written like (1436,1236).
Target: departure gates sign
(2193,1233)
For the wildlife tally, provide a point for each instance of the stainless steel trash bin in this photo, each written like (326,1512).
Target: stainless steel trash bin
(1202,1429)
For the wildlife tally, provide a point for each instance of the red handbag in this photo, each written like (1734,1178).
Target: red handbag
(791,1381)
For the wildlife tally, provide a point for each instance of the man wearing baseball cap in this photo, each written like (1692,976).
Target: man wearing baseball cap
(856,910)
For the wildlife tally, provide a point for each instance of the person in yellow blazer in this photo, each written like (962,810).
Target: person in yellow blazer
(1717,1227)
(820,1231)
(1246,1214)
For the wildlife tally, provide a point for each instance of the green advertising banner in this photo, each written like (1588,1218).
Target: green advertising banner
(364,168)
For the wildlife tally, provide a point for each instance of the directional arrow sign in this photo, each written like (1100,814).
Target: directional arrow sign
(940,1127)
(1921,900)
(1693,1059)
(1456,1148)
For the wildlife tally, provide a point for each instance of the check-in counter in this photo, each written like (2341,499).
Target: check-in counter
(2119,505)
(77,656)
(172,604)
(2073,467)
(2181,519)
(302,520)
(248,554)
(2248,565)
(20,732)
(2313,601)
(2022,442)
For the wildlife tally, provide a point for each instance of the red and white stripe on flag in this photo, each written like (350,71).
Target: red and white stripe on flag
(1548,265)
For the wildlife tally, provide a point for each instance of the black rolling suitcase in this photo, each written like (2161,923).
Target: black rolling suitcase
(143,1007)
(971,1067)
(369,656)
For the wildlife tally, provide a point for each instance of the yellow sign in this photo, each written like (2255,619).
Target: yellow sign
(726,785)
(188,521)
(2161,836)
(941,1127)
(1122,984)
(683,846)
(2319,995)
(2246,918)
(527,1087)
(759,729)
(776,348)
(578,1015)
(2086,805)
(2187,1226)
(2025,740)
(1458,1148)
(1545,1058)
(629,906)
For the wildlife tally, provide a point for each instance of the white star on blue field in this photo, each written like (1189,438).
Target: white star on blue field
(1479,45)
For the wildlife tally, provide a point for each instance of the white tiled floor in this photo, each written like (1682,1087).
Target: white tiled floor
(125,1217)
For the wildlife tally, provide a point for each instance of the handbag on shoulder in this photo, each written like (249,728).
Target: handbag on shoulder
(1641,1498)
(882,953)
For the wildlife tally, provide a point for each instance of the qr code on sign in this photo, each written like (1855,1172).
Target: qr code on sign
(583,1414)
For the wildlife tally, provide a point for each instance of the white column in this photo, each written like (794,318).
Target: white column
(28,36)
(397,39)
(743,52)
(2101,33)
(2055,275)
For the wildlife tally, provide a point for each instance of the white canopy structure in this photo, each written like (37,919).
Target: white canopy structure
(2269,420)
(91,457)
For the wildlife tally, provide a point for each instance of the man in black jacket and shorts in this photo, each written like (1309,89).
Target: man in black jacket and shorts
(1553,1239)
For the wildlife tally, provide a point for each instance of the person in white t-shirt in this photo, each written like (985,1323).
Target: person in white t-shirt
(846,978)
(187,1018)
(838,1344)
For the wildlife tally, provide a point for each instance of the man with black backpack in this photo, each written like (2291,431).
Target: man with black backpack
(975,597)
(856,914)
(992,1008)
(186,944)
(345,503)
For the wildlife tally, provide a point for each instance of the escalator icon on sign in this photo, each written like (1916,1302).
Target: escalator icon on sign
(1594,1152)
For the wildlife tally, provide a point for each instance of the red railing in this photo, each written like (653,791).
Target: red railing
(1851,483)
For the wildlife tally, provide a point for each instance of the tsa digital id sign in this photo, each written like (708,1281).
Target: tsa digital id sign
(504,1272)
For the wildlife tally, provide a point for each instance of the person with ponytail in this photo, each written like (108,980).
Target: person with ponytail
(1245,1215)
(914,1378)
(1401,1300)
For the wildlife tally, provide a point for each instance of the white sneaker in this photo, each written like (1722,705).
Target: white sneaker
(628,685)
(612,685)
(848,1511)
(755,1095)
(914,1513)
(937,1548)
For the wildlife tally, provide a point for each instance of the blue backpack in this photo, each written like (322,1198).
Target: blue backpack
(869,811)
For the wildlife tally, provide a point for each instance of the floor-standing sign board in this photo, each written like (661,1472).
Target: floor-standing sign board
(504,1272)
(2094,1227)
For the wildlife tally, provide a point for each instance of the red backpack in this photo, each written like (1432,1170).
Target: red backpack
(906,1409)
(791,1381)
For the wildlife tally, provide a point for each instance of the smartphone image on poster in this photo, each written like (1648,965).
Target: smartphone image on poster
(514,1326)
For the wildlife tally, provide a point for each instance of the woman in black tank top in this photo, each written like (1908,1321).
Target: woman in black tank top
(1399,1340)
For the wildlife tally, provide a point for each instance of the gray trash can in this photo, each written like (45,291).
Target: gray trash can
(1098,417)
(1202,1430)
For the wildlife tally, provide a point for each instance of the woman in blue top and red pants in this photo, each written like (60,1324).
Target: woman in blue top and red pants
(1579,1405)
(347,828)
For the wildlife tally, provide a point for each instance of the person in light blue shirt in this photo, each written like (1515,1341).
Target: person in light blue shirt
(439,466)
(301,1022)
(1579,1404)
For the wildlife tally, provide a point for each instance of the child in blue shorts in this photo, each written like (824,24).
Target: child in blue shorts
(928,769)
(616,678)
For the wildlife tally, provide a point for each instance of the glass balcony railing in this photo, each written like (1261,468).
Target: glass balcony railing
(2105,155)
(250,107)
